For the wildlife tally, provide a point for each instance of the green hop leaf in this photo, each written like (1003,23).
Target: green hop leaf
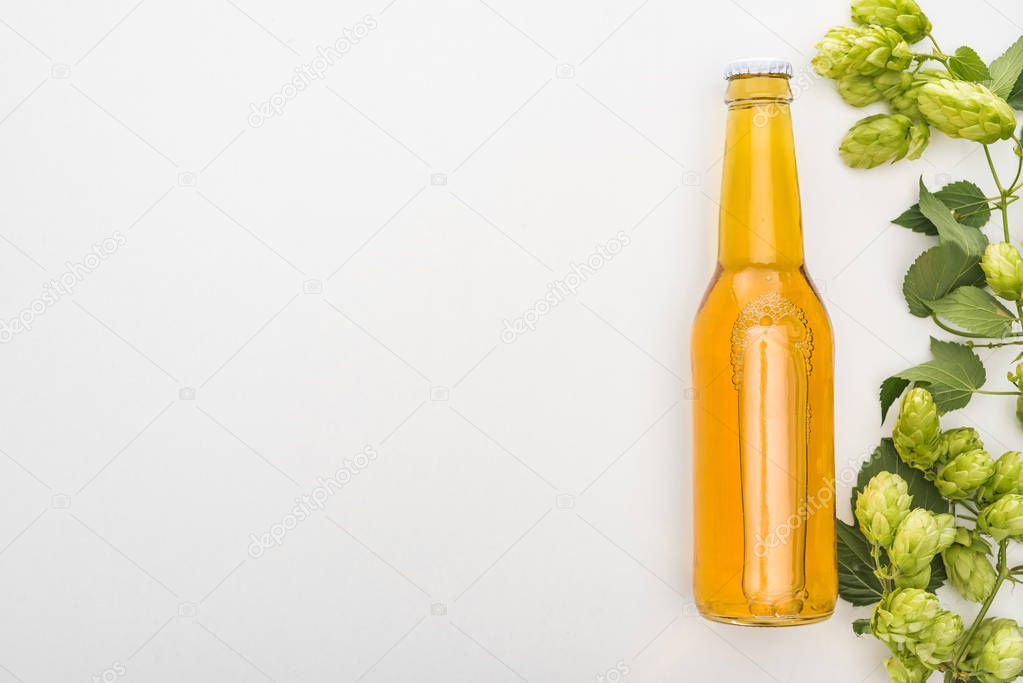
(964,474)
(1003,518)
(857,583)
(935,273)
(917,432)
(864,50)
(1007,69)
(967,65)
(1015,99)
(877,139)
(961,109)
(952,376)
(974,310)
(881,506)
(963,197)
(904,16)
(1003,268)
(995,651)
(971,241)
(970,571)
(1007,478)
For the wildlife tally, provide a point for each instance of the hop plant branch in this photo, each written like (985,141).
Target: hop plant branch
(902,504)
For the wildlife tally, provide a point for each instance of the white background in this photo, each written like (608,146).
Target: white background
(337,278)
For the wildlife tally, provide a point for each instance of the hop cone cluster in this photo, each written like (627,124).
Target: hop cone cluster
(1003,268)
(903,16)
(1006,478)
(917,433)
(872,63)
(881,506)
(995,652)
(863,50)
(958,441)
(904,88)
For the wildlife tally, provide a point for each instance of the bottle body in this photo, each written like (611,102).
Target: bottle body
(762,359)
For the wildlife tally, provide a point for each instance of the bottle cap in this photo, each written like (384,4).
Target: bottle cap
(760,66)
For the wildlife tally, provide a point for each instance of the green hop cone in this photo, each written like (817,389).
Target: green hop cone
(958,441)
(863,50)
(922,535)
(881,506)
(1002,519)
(964,474)
(875,140)
(917,433)
(891,84)
(903,16)
(918,580)
(1003,268)
(905,668)
(1007,478)
(970,571)
(858,91)
(919,136)
(938,641)
(962,109)
(902,616)
(902,95)
(995,652)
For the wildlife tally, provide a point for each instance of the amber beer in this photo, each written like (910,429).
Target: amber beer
(763,416)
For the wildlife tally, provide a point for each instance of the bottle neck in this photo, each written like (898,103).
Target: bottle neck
(760,221)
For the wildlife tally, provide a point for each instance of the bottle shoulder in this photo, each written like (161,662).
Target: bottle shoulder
(735,291)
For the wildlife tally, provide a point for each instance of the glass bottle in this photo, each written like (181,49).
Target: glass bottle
(763,416)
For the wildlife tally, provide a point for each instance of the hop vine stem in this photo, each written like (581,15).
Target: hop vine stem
(1003,574)
(1006,197)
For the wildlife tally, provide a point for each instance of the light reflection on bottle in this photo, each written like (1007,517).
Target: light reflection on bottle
(771,362)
